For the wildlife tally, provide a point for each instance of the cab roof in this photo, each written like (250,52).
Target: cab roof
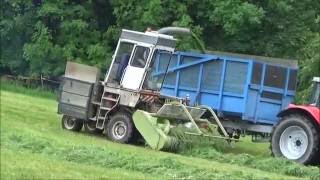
(152,37)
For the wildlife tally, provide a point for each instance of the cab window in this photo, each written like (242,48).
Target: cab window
(140,57)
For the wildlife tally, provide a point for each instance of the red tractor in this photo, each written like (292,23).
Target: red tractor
(296,136)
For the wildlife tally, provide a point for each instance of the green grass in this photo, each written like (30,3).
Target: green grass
(24,165)
(34,146)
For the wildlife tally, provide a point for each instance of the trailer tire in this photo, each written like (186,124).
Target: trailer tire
(71,123)
(90,127)
(120,128)
(296,137)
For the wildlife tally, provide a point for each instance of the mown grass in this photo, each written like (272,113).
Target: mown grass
(25,165)
(269,164)
(34,146)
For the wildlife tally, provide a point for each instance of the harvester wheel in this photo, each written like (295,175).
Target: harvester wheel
(120,128)
(71,123)
(90,127)
(297,138)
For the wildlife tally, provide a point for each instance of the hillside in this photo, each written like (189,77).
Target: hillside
(33,145)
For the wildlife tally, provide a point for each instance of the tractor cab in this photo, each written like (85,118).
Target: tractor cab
(315,94)
(133,62)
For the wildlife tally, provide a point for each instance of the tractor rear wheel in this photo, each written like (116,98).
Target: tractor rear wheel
(90,127)
(120,128)
(295,137)
(71,123)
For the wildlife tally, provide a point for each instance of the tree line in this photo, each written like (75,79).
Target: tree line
(39,36)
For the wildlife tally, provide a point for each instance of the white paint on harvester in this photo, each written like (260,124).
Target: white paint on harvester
(132,77)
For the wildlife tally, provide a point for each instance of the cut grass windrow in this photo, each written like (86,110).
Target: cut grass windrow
(270,164)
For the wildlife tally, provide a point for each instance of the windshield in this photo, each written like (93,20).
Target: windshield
(121,61)
(125,49)
(154,79)
(315,94)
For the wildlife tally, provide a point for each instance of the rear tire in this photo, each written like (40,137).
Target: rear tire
(120,128)
(71,123)
(295,137)
(90,127)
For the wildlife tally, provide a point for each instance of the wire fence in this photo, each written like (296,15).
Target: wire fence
(33,82)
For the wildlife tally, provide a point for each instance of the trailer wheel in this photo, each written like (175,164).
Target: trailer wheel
(120,128)
(296,138)
(90,127)
(71,123)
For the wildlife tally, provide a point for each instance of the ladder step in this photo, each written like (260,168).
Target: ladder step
(100,123)
(105,108)
(93,118)
(110,99)
(96,103)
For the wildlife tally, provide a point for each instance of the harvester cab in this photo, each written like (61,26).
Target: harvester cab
(128,102)
(134,58)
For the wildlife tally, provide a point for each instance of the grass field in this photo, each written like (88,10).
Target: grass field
(34,146)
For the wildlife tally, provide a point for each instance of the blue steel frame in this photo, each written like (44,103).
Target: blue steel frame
(264,109)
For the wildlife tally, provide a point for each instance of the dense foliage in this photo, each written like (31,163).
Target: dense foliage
(38,36)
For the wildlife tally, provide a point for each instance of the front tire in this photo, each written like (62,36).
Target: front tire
(295,137)
(120,128)
(71,123)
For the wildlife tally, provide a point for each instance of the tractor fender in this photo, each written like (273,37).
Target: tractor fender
(311,111)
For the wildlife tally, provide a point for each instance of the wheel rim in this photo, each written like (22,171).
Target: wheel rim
(119,130)
(91,126)
(293,142)
(69,122)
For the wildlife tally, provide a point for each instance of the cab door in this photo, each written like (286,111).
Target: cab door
(134,73)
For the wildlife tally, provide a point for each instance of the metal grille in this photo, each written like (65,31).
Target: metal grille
(211,75)
(170,78)
(292,80)
(235,78)
(189,77)
(164,59)
(256,73)
(173,61)
(189,59)
(271,95)
(275,76)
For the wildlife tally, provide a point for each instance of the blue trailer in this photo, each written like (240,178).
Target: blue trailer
(246,91)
